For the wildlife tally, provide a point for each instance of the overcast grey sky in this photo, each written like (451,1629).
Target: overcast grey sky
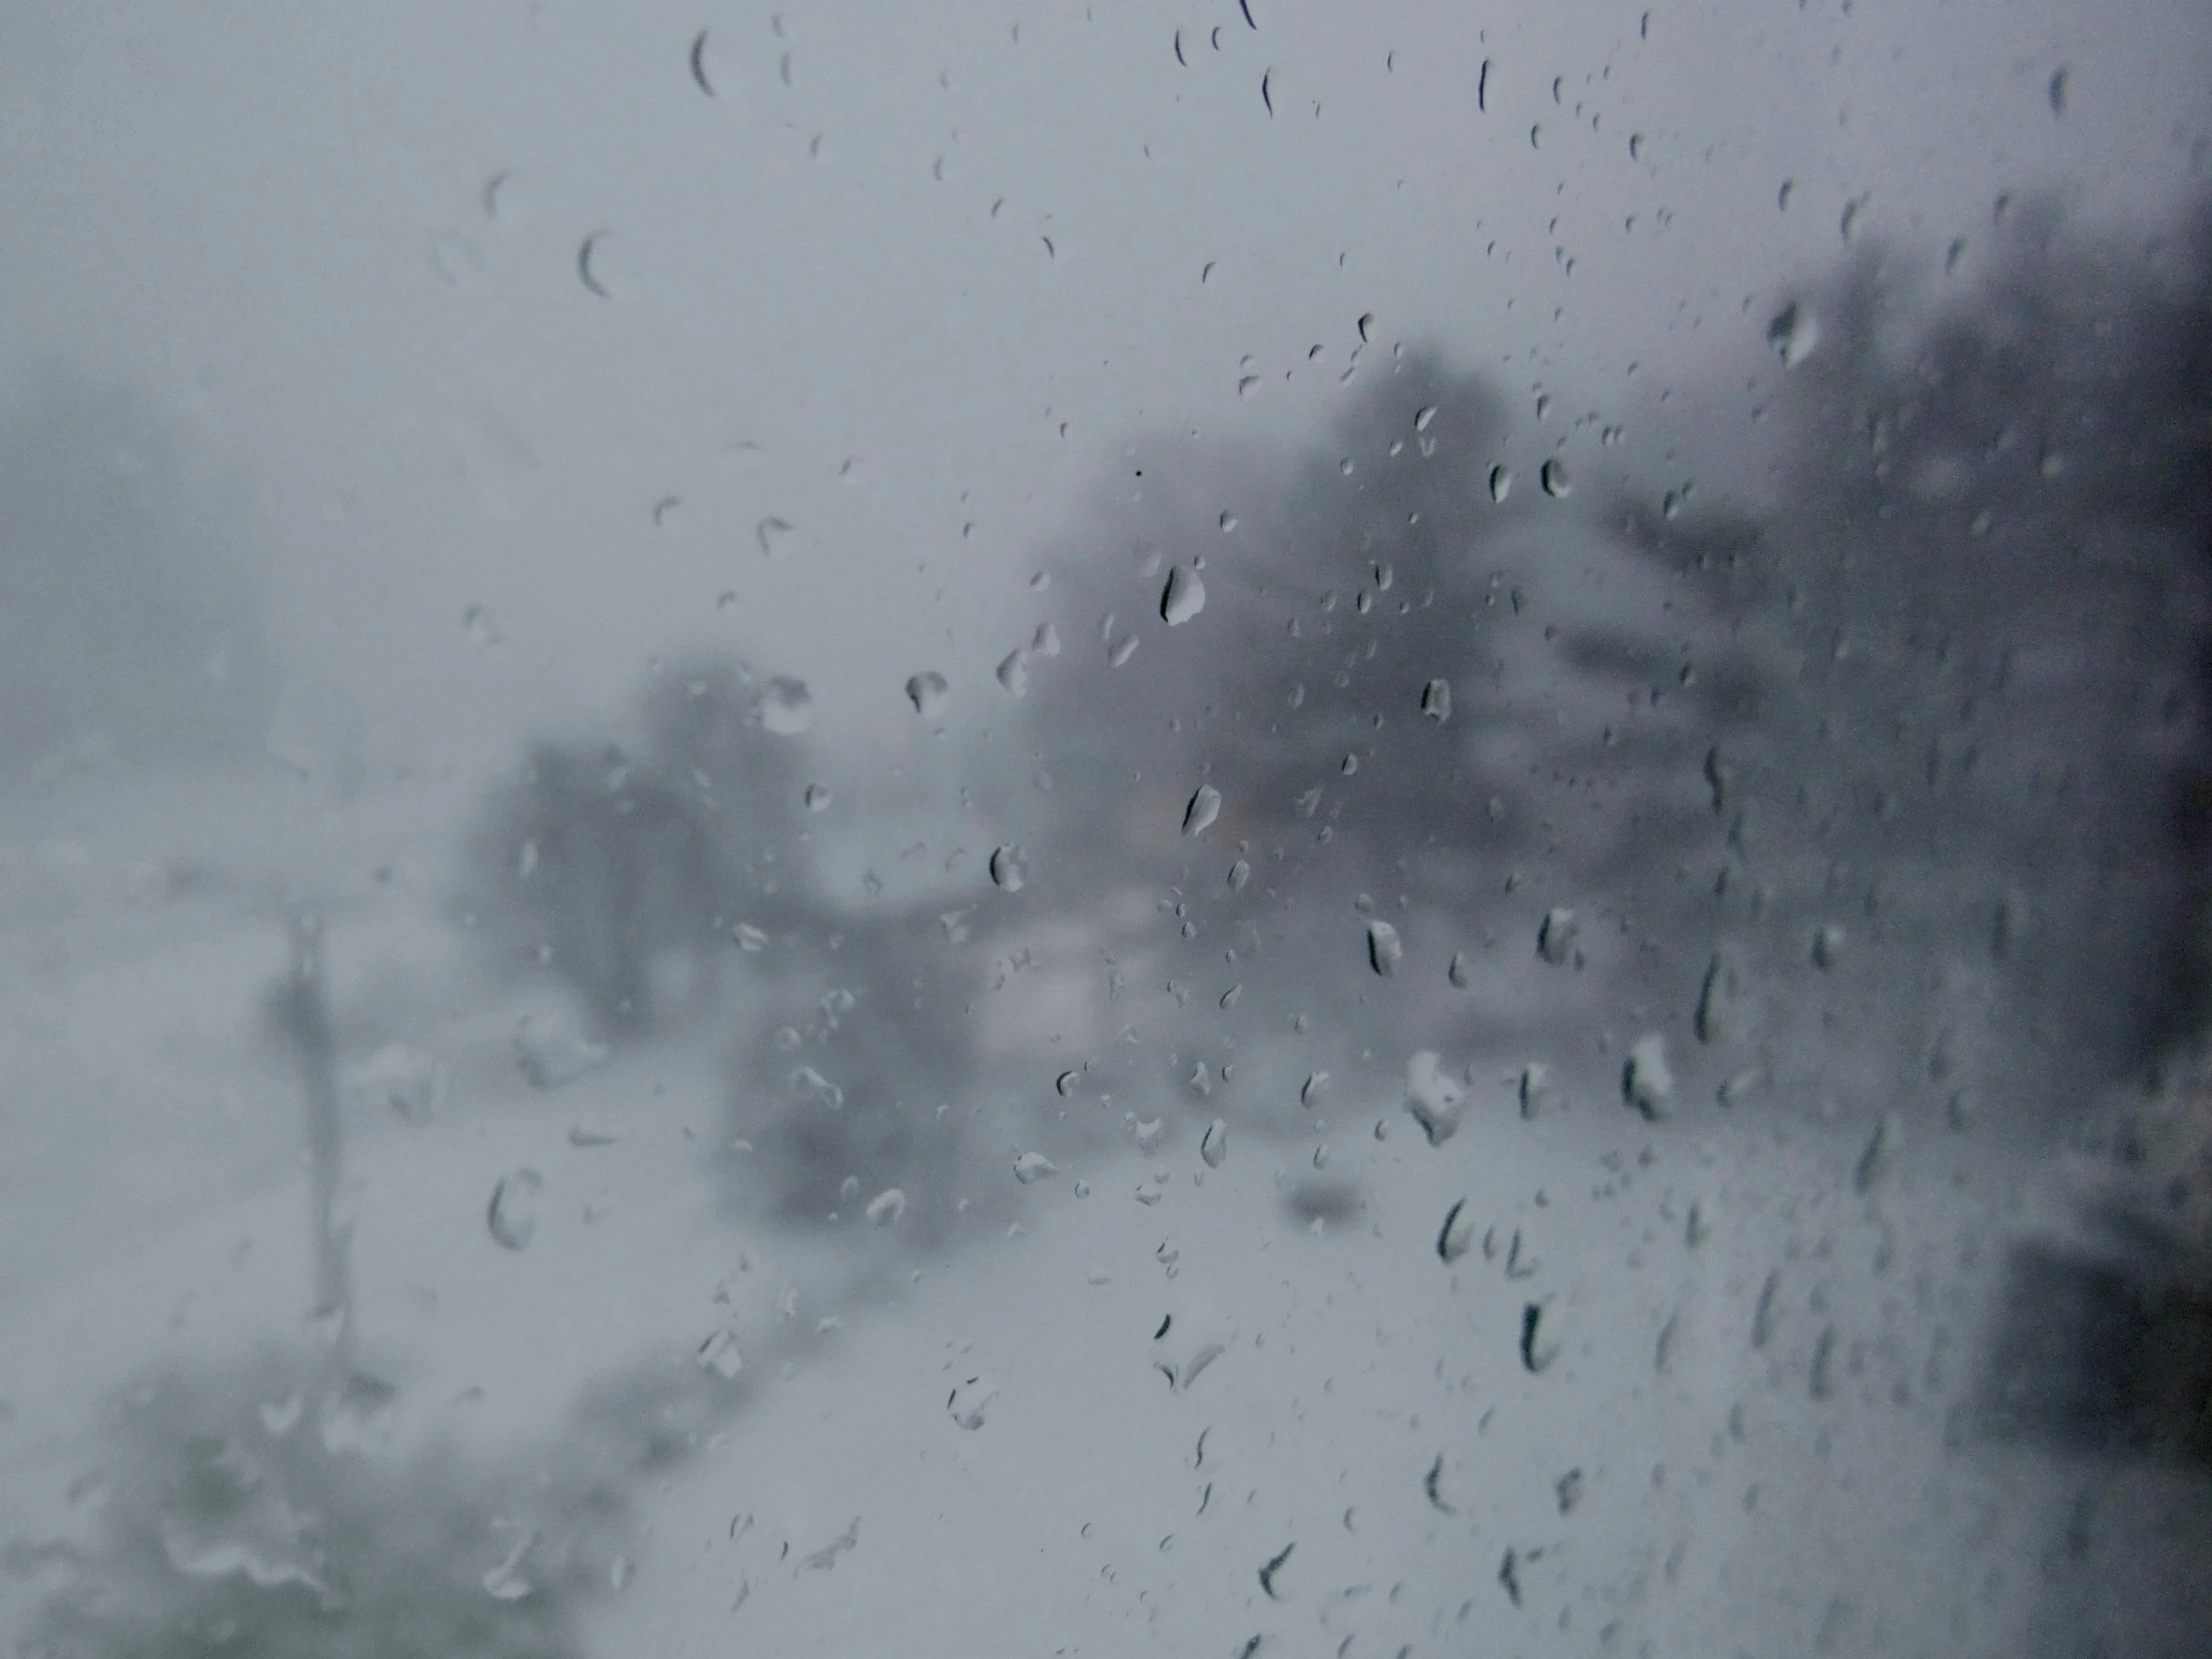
(911,296)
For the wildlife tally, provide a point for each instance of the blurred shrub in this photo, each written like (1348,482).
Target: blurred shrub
(856,1074)
(235,1518)
(625,876)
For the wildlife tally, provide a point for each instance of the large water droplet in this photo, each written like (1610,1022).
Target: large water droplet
(602,267)
(1213,1146)
(1714,997)
(359,1417)
(1435,1100)
(1537,1089)
(785,706)
(1435,700)
(1536,1355)
(775,536)
(508,199)
(929,693)
(512,1215)
(887,1207)
(551,1053)
(970,1401)
(1501,482)
(811,1086)
(510,1579)
(1204,808)
(818,797)
(405,1080)
(1032,1167)
(1556,936)
(1552,476)
(1008,868)
(1647,1082)
(1456,1235)
(1384,951)
(824,1558)
(1793,334)
(1183,597)
(1012,672)
(1881,1152)
(719,1355)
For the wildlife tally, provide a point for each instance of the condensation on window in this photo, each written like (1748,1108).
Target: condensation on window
(1237,828)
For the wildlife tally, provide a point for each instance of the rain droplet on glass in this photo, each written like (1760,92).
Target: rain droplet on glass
(929,693)
(785,706)
(1456,1235)
(1183,597)
(1647,1081)
(719,1355)
(887,1207)
(773,535)
(1437,1101)
(512,1215)
(1556,935)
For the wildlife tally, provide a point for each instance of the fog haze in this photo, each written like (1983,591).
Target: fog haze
(281,229)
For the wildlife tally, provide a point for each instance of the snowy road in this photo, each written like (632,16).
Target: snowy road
(1677,1380)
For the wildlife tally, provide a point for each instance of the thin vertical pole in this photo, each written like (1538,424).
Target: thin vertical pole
(303,1012)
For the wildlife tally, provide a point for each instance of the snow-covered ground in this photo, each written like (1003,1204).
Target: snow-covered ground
(1694,1386)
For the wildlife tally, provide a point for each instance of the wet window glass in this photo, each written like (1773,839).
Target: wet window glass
(1220,826)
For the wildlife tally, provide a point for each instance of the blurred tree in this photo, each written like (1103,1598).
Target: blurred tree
(241,1515)
(1434,700)
(1941,694)
(1988,568)
(633,876)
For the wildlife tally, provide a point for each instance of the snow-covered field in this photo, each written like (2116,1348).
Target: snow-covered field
(1687,1388)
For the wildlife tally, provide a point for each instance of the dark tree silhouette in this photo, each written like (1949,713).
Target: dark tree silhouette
(1434,700)
(631,876)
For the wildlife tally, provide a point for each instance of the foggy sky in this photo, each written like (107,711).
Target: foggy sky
(273,222)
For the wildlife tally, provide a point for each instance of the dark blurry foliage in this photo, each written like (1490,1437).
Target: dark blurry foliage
(629,875)
(670,885)
(125,629)
(1423,706)
(1988,567)
(855,1074)
(231,1517)
(1940,694)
